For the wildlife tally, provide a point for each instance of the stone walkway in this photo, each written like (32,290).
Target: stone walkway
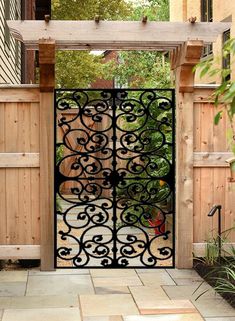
(108,295)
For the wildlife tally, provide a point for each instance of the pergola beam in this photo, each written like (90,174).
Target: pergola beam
(122,35)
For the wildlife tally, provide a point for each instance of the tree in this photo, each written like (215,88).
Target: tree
(154,9)
(87,9)
(75,68)
(146,69)
(143,68)
(225,93)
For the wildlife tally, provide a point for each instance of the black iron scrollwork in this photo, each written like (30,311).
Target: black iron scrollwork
(115,178)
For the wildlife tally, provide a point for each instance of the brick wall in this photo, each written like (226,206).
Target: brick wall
(102,83)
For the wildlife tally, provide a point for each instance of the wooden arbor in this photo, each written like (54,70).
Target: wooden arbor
(183,40)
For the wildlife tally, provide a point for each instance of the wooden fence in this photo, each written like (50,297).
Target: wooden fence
(211,172)
(19,171)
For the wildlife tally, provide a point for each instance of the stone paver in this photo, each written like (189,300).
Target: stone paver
(60,272)
(166,317)
(112,290)
(160,277)
(146,297)
(185,277)
(188,281)
(189,292)
(104,318)
(12,288)
(40,302)
(13,276)
(170,307)
(184,273)
(59,284)
(113,304)
(69,314)
(214,308)
(117,281)
(5,302)
(220,319)
(99,273)
(109,295)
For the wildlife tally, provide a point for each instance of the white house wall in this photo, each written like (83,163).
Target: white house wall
(10,56)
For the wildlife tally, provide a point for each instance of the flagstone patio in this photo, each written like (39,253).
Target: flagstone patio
(109,295)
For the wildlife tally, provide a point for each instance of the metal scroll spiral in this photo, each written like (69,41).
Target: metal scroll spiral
(119,147)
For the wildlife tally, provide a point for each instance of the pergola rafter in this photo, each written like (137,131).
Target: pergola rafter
(184,40)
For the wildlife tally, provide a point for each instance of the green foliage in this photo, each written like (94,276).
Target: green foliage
(218,117)
(80,68)
(156,193)
(59,153)
(225,93)
(153,9)
(86,10)
(143,69)
(222,274)
(146,69)
(77,69)
(136,68)
(212,248)
(212,251)
(225,282)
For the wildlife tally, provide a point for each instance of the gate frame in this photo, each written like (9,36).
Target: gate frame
(185,54)
(56,170)
(182,63)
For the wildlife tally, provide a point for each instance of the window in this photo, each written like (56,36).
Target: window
(226,60)
(206,10)
(207,16)
(6,29)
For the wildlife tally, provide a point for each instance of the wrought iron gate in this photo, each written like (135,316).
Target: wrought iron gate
(115,178)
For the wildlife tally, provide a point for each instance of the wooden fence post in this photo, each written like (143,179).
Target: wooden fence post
(47,84)
(183,60)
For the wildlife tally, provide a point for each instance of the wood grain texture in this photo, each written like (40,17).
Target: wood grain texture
(229,210)
(47,180)
(16,252)
(184,180)
(19,160)
(185,132)
(199,249)
(211,171)
(19,221)
(211,159)
(47,120)
(115,34)
(3,216)
(19,94)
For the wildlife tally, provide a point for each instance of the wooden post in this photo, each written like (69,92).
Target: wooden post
(182,62)
(47,84)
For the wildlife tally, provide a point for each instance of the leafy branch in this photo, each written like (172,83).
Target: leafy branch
(225,92)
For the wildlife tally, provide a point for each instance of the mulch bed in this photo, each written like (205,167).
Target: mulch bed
(208,273)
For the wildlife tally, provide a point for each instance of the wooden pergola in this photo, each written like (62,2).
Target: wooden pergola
(185,42)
